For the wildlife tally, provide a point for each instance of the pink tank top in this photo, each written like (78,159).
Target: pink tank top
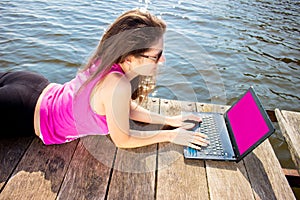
(66,115)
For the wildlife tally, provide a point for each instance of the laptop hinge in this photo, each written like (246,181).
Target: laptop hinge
(231,137)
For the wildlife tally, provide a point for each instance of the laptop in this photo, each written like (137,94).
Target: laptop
(236,133)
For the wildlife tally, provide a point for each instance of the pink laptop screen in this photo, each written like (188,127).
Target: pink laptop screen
(247,122)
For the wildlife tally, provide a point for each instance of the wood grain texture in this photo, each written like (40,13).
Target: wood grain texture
(93,168)
(265,174)
(11,152)
(226,180)
(178,178)
(289,123)
(89,171)
(134,169)
(40,172)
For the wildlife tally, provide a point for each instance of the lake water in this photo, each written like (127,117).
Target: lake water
(214,49)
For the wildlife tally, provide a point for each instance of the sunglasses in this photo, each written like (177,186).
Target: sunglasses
(154,58)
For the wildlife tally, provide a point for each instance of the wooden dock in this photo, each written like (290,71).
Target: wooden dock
(93,168)
(289,123)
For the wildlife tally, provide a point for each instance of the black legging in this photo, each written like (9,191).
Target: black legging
(19,92)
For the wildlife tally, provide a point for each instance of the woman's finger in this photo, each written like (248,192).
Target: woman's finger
(187,125)
(198,138)
(194,146)
(192,116)
(201,142)
(196,117)
(200,135)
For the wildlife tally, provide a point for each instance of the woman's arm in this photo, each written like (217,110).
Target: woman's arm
(138,113)
(141,114)
(177,136)
(117,109)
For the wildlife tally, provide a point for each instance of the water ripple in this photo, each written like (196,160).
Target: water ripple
(249,42)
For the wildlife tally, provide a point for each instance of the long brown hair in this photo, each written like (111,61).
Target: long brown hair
(133,33)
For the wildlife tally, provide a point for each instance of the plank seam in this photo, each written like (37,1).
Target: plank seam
(63,180)
(110,174)
(252,189)
(156,173)
(209,196)
(14,169)
(157,149)
(156,165)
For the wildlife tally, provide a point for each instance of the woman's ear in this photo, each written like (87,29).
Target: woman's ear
(128,59)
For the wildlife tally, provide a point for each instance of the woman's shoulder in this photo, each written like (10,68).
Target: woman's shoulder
(116,78)
(116,82)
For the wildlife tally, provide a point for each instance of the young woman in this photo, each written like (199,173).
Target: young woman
(98,101)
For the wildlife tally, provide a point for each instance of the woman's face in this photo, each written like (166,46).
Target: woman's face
(146,64)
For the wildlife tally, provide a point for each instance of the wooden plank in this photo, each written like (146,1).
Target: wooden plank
(265,173)
(292,176)
(134,169)
(40,172)
(177,177)
(226,180)
(11,152)
(291,172)
(89,171)
(289,123)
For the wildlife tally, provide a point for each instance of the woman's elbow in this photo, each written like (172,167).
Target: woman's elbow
(121,142)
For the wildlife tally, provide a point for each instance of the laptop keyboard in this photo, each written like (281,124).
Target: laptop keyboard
(209,128)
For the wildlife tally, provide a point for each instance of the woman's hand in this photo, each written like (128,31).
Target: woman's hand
(184,120)
(191,139)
